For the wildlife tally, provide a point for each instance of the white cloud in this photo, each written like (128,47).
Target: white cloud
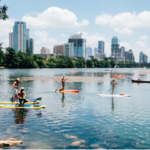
(41,33)
(144,38)
(126,45)
(141,44)
(125,21)
(63,34)
(54,17)
(124,31)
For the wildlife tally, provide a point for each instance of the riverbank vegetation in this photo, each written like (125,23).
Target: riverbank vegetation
(10,59)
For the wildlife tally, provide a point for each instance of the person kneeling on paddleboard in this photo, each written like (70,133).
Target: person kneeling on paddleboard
(22,95)
(113,85)
(63,83)
(16,90)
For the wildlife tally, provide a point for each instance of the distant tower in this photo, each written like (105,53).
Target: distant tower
(101,46)
(20,36)
(88,52)
(31,46)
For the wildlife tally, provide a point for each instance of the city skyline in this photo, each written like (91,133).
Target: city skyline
(127,23)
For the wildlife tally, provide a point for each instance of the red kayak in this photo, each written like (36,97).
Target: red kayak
(68,91)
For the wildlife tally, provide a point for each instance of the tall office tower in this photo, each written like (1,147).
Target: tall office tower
(88,52)
(95,50)
(143,58)
(79,45)
(59,49)
(20,36)
(11,39)
(28,38)
(31,46)
(114,47)
(129,56)
(122,51)
(101,47)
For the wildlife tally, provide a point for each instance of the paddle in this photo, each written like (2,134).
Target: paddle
(58,87)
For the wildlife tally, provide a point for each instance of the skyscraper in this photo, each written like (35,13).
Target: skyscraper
(101,46)
(114,47)
(20,36)
(19,39)
(79,45)
(88,52)
(31,46)
(129,56)
(143,58)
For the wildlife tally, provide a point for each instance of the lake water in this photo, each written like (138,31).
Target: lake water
(82,120)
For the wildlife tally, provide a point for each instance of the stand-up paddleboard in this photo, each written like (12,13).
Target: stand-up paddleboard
(33,101)
(25,106)
(114,95)
(67,91)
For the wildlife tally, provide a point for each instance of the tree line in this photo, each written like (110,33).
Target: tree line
(10,59)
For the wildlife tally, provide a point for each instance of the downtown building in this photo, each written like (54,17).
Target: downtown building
(118,54)
(88,52)
(129,56)
(78,46)
(143,58)
(19,38)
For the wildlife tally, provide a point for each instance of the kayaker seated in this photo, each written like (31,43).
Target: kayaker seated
(139,79)
(63,83)
(22,95)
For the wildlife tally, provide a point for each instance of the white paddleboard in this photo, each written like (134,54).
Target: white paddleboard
(114,95)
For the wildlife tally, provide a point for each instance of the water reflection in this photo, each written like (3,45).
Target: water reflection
(20,116)
(62,100)
(112,105)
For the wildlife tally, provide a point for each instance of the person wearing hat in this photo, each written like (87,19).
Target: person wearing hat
(16,88)
(63,83)
(22,95)
(113,85)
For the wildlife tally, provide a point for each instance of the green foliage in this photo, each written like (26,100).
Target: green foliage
(1,57)
(41,64)
(89,64)
(3,15)
(28,51)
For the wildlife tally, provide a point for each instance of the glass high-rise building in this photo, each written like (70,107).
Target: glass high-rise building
(20,36)
(11,39)
(31,46)
(79,46)
(114,40)
(115,50)
(101,46)
(88,52)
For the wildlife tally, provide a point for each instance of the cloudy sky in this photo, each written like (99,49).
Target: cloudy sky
(53,21)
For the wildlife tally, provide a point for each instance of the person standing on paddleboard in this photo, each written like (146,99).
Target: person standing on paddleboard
(22,95)
(16,90)
(63,83)
(113,85)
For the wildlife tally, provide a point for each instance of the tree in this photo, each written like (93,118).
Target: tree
(89,64)
(41,64)
(1,56)
(3,10)
(112,63)
(28,51)
(11,58)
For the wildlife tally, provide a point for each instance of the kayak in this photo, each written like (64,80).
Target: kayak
(25,106)
(67,91)
(73,71)
(118,76)
(33,101)
(115,95)
(140,81)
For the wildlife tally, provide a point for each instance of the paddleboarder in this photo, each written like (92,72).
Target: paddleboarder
(113,85)
(22,95)
(63,83)
(16,89)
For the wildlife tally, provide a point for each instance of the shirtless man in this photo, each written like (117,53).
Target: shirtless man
(113,85)
(16,90)
(22,95)
(63,82)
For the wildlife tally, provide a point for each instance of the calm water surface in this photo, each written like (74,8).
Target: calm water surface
(97,122)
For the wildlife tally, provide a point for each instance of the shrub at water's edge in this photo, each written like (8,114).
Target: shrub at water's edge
(10,59)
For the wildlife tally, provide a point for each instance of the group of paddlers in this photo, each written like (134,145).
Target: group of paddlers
(21,95)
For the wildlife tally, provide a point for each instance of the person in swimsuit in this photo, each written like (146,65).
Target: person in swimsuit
(63,83)
(22,95)
(113,85)
(16,89)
